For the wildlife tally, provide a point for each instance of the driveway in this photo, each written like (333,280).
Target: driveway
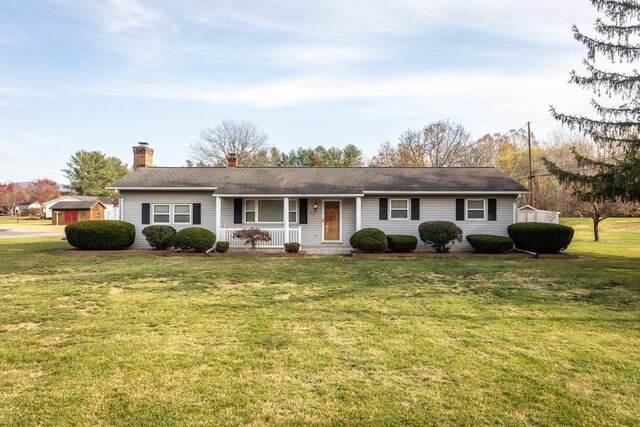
(13,234)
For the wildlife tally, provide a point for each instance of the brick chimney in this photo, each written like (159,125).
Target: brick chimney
(232,160)
(142,155)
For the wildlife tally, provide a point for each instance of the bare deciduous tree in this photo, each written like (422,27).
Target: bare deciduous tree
(244,139)
(447,144)
(438,144)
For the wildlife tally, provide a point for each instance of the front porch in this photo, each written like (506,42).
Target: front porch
(321,224)
(278,237)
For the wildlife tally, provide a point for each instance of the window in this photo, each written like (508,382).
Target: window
(399,208)
(475,209)
(182,214)
(161,214)
(249,211)
(269,210)
(293,210)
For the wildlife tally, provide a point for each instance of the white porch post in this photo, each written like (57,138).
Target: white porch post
(358,213)
(218,215)
(285,214)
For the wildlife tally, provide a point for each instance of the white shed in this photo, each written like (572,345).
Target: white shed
(530,214)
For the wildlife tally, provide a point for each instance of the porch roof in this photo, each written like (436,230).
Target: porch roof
(314,181)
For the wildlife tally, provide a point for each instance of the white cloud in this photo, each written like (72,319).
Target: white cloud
(316,54)
(131,15)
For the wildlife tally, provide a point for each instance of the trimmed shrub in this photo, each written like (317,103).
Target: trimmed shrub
(195,239)
(369,240)
(402,242)
(222,246)
(100,235)
(540,237)
(489,244)
(292,248)
(441,235)
(159,236)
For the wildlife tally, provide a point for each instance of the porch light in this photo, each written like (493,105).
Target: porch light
(315,207)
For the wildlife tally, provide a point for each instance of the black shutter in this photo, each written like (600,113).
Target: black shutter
(493,208)
(196,213)
(303,206)
(146,213)
(384,208)
(459,209)
(415,209)
(237,211)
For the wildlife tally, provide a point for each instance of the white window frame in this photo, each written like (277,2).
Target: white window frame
(153,213)
(294,211)
(173,214)
(257,211)
(408,209)
(484,209)
(254,210)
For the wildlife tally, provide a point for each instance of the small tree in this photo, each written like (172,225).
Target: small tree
(251,236)
(43,189)
(12,194)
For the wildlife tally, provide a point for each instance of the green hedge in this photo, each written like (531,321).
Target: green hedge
(489,244)
(100,235)
(441,235)
(222,246)
(159,236)
(195,239)
(292,248)
(369,240)
(402,242)
(540,237)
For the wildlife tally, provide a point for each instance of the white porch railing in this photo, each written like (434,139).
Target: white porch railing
(277,237)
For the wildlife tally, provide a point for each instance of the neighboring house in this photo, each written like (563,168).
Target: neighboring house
(323,206)
(111,211)
(73,211)
(528,213)
(24,209)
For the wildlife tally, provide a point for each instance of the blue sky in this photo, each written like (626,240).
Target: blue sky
(105,74)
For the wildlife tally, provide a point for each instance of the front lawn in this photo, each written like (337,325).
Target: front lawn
(145,340)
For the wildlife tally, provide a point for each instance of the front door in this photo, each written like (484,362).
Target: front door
(331,220)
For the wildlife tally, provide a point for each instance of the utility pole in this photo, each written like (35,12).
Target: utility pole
(533,201)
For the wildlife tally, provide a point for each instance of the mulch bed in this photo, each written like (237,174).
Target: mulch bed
(302,254)
(459,255)
(169,253)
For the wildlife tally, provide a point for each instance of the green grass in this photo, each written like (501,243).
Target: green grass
(16,220)
(619,237)
(144,340)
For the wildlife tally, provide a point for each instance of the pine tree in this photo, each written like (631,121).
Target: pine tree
(617,129)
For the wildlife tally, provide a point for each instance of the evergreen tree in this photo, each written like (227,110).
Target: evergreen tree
(89,172)
(617,129)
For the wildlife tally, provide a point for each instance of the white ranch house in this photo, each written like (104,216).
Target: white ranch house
(320,208)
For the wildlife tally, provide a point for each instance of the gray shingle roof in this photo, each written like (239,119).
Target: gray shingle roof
(83,204)
(265,180)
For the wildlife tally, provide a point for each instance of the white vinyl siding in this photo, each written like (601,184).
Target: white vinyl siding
(132,209)
(431,208)
(439,208)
